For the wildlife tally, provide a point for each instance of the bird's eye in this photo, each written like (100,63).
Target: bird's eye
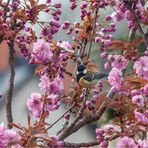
(84,71)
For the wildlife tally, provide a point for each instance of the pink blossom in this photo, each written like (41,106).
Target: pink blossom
(54,86)
(106,42)
(141,117)
(108,18)
(52,102)
(100,138)
(8,136)
(117,16)
(58,5)
(142,143)
(3,139)
(99,131)
(16,146)
(34,104)
(135,92)
(145,89)
(109,129)
(104,55)
(104,144)
(107,65)
(119,62)
(41,52)
(141,67)
(138,99)
(126,142)
(115,78)
(65,45)
(12,136)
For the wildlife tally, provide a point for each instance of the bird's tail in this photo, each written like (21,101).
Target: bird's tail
(100,75)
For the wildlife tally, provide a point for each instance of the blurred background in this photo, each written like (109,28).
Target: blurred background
(26,82)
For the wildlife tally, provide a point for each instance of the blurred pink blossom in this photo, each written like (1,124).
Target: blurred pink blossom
(141,117)
(54,86)
(119,62)
(145,89)
(109,129)
(126,142)
(34,104)
(142,143)
(138,99)
(117,16)
(115,78)
(141,67)
(41,52)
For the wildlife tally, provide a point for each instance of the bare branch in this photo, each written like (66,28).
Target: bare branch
(60,118)
(91,118)
(66,132)
(72,145)
(11,85)
(93,32)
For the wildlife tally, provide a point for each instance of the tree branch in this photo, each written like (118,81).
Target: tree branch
(67,130)
(72,145)
(60,118)
(144,35)
(91,118)
(93,32)
(11,85)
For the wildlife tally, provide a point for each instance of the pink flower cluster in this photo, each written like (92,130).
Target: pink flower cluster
(9,137)
(139,100)
(108,130)
(41,52)
(116,61)
(119,62)
(115,78)
(34,104)
(123,11)
(126,142)
(141,67)
(54,86)
(141,117)
(130,143)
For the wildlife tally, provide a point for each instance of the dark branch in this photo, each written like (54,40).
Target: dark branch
(91,118)
(93,32)
(67,131)
(11,85)
(72,145)
(60,117)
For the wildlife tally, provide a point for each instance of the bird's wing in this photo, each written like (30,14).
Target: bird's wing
(89,77)
(99,75)
(92,76)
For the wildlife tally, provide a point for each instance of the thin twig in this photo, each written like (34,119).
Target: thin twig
(91,118)
(78,117)
(93,32)
(132,34)
(63,127)
(11,85)
(59,118)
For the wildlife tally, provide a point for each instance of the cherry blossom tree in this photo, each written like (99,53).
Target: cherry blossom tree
(125,91)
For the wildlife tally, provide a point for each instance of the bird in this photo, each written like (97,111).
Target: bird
(88,78)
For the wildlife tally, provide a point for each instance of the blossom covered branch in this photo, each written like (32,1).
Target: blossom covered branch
(124,91)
